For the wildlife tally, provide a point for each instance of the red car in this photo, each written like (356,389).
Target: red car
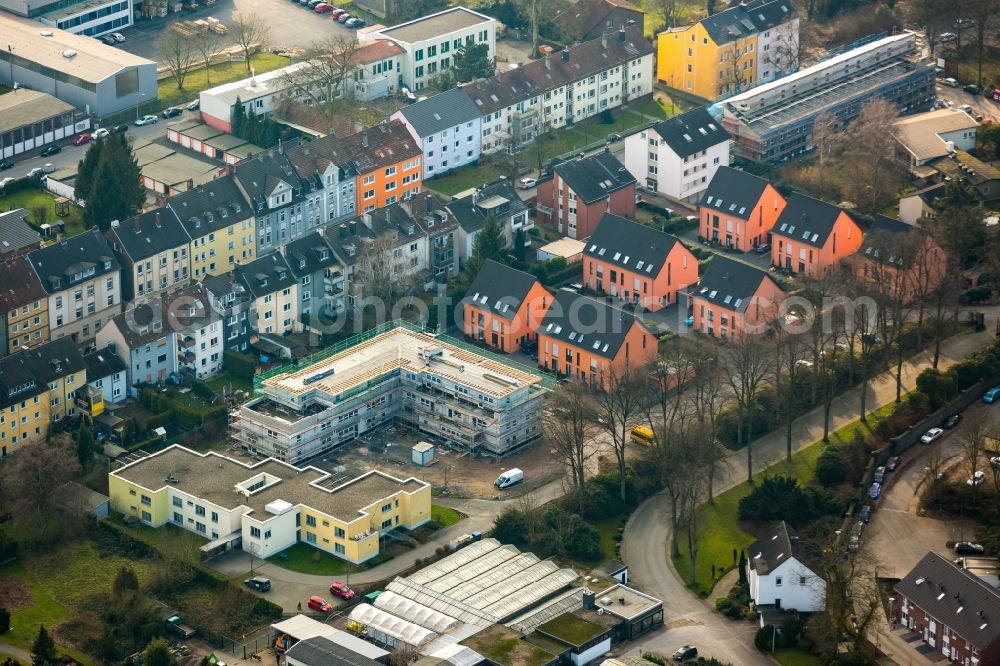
(82,139)
(338,589)
(322,8)
(319,604)
(337,13)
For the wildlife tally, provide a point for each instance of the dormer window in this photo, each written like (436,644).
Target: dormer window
(107,265)
(324,255)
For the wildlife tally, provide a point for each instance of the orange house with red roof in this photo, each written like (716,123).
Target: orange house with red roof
(811,237)
(388,162)
(738,210)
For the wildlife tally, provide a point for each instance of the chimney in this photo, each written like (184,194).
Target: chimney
(343,231)
(190,183)
(135,223)
(565,55)
(588,601)
(364,140)
(354,228)
(232,277)
(548,62)
(604,41)
(621,35)
(157,220)
(621,601)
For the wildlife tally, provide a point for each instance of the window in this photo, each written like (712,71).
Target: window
(147,517)
(311,521)
(386,524)
(339,532)
(255,532)
(199,510)
(200,527)
(339,548)
(215,516)
(777,581)
(147,500)
(178,501)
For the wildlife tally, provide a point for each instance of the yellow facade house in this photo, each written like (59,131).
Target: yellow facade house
(268,506)
(24,307)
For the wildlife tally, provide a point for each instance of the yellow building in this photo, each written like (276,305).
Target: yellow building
(37,386)
(731,51)
(220,224)
(268,505)
(24,307)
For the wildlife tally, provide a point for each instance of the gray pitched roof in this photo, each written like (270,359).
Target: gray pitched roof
(499,197)
(806,220)
(148,234)
(440,112)
(691,132)
(102,363)
(781,543)
(734,192)
(259,174)
(587,323)
(309,254)
(320,651)
(266,275)
(25,374)
(595,177)
(499,288)
(729,283)
(380,146)
(210,207)
(740,21)
(348,239)
(141,324)
(15,232)
(73,260)
(965,603)
(19,285)
(767,14)
(636,247)
(886,241)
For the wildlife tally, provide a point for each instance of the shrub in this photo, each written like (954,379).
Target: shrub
(202,390)
(655,658)
(160,420)
(767,637)
(722,603)
(937,386)
(831,468)
(4,620)
(781,498)
(977,294)
(240,365)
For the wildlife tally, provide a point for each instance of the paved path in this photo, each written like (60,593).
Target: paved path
(647,533)
(10,651)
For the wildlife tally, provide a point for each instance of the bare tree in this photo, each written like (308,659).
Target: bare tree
(326,74)
(982,12)
(826,135)
(785,52)
(737,60)
(617,408)
(207,43)
(707,398)
(871,145)
(537,12)
(176,51)
(929,14)
(975,439)
(934,468)
(852,599)
(251,32)
(570,426)
(788,351)
(30,477)
(665,10)
(747,364)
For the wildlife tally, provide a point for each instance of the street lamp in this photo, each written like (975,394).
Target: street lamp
(138,104)
(10,60)
(892,613)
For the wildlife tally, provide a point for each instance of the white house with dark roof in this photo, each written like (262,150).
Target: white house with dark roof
(678,157)
(107,373)
(448,129)
(275,292)
(778,576)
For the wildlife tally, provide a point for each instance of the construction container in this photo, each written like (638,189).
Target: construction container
(422,454)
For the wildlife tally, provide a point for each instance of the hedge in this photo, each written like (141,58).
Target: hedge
(160,420)
(240,365)
(19,185)
(202,390)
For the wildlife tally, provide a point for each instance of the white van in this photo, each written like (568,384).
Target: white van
(509,478)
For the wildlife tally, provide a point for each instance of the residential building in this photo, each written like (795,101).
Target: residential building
(275,292)
(733,298)
(107,374)
(230,299)
(17,237)
(738,210)
(139,338)
(678,157)
(923,137)
(590,19)
(730,51)
(920,205)
(398,250)
(951,611)
(37,387)
(590,341)
(447,129)
(198,330)
(637,264)
(82,278)
(811,237)
(429,43)
(329,179)
(441,229)
(24,307)
(387,160)
(310,259)
(259,94)
(285,207)
(574,196)
(900,260)
(152,248)
(504,306)
(781,572)
(397,375)
(497,199)
(774,122)
(377,64)
(219,220)
(92,76)
(269,505)
(561,89)
(978,176)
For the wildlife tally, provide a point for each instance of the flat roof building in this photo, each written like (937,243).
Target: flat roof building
(30,119)
(81,71)
(429,383)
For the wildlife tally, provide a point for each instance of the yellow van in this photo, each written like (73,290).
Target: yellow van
(642,435)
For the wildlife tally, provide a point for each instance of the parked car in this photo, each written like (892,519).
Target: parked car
(991,395)
(319,604)
(6,164)
(965,23)
(931,436)
(854,543)
(172,112)
(322,8)
(950,82)
(101,133)
(971,88)
(614,137)
(527,183)
(194,106)
(966,108)
(360,24)
(995,461)
(337,13)
(109,40)
(977,479)
(763,248)
(4,181)
(865,514)
(118,37)
(146,120)
(82,139)
(875,491)
(951,421)
(969,548)
(341,590)
(685,653)
(344,18)
(879,475)
(352,23)
(121,127)
(892,463)
(51,149)
(258,583)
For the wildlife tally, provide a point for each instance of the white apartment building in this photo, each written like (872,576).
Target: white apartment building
(275,292)
(197,330)
(429,43)
(90,17)
(107,373)
(678,157)
(447,127)
(777,42)
(562,89)
(778,576)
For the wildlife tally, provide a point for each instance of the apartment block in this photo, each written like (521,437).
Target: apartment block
(396,375)
(24,307)
(504,306)
(811,237)
(152,248)
(219,220)
(732,298)
(447,128)
(139,338)
(269,505)
(275,292)
(498,200)
(387,159)
(578,192)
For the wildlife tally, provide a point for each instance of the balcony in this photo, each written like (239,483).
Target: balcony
(90,401)
(187,343)
(542,208)
(186,357)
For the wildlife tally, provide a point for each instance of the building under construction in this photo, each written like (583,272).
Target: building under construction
(397,375)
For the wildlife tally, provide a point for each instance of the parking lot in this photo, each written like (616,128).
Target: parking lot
(980,104)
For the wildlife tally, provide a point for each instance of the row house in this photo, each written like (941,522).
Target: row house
(152,248)
(82,280)
(562,89)
(139,338)
(578,192)
(18,236)
(284,206)
(637,264)
(197,329)
(219,222)
(442,230)
(588,19)
(811,237)
(738,210)
(504,307)
(275,294)
(498,200)
(678,157)
(951,611)
(590,341)
(733,297)
(311,259)
(24,307)
(107,376)
(387,160)
(328,168)
(232,301)
(899,260)
(37,388)
(447,128)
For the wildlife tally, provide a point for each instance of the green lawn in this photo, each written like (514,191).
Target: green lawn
(31,199)
(445,516)
(306,559)
(797,657)
(464,178)
(225,381)
(222,72)
(168,540)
